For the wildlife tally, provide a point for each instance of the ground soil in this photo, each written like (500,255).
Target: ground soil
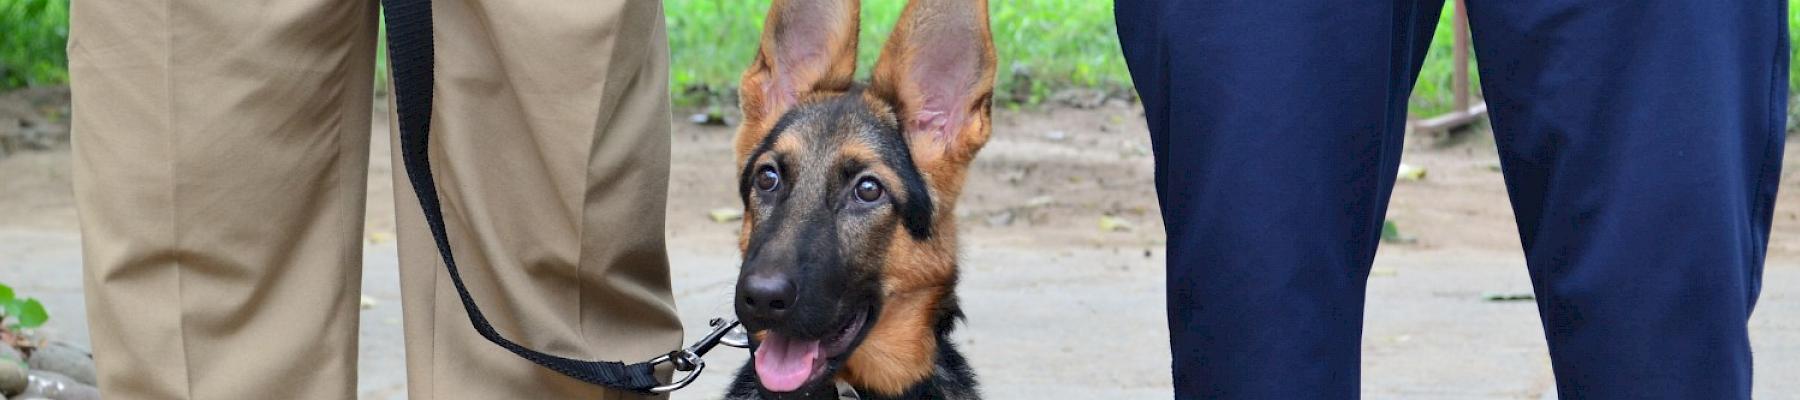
(1047,179)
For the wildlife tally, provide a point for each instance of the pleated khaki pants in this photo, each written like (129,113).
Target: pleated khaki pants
(221,152)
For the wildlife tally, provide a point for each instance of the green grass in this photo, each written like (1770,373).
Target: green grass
(1433,94)
(32,36)
(1061,43)
(1794,46)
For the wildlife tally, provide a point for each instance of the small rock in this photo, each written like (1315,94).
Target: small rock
(1114,224)
(1056,136)
(8,353)
(1506,296)
(712,116)
(1136,149)
(722,215)
(1411,172)
(1014,176)
(13,378)
(12,370)
(65,359)
(1040,201)
(1000,218)
(1021,84)
(1080,98)
(59,387)
(38,139)
(379,237)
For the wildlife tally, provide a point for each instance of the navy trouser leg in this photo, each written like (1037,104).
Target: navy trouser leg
(1277,132)
(1641,143)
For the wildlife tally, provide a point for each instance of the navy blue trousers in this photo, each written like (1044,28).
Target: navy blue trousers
(1640,141)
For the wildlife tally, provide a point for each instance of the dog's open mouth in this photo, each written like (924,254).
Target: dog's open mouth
(784,364)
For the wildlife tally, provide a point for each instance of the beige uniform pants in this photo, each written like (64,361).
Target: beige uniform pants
(220,169)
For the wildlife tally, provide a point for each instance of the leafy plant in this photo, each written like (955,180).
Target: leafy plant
(20,312)
(1062,43)
(1434,92)
(33,34)
(1793,20)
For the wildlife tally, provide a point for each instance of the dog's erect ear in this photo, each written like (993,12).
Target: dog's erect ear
(807,46)
(938,68)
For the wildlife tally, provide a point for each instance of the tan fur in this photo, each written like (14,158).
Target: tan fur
(898,351)
(788,144)
(914,265)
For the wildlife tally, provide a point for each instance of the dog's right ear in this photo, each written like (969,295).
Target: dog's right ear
(807,46)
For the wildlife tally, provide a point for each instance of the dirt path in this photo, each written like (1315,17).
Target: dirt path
(1057,307)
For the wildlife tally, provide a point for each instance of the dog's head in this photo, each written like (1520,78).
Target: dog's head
(848,236)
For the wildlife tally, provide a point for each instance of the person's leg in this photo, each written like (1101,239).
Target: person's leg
(1276,127)
(550,144)
(220,153)
(1641,143)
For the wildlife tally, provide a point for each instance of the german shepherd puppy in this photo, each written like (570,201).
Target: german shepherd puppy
(849,191)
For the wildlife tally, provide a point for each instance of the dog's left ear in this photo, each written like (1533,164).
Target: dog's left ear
(938,69)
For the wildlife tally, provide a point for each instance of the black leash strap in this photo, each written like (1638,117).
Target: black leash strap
(410,61)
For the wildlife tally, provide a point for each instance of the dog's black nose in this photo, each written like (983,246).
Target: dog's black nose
(767,296)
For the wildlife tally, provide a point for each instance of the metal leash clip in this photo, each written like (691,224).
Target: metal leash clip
(691,359)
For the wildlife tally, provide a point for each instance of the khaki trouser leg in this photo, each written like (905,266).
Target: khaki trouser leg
(550,144)
(220,158)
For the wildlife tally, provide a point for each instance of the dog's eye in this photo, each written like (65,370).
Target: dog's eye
(767,178)
(868,190)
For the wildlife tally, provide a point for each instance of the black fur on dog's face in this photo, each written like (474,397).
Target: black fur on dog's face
(825,190)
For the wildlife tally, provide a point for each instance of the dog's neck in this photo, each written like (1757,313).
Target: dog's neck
(900,351)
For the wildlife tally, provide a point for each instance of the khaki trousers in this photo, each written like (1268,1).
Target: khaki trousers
(221,152)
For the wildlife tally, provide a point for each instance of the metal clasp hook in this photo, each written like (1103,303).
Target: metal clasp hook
(692,359)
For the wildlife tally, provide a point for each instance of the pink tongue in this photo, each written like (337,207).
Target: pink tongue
(783,365)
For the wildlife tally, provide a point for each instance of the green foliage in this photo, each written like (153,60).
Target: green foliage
(20,313)
(1793,124)
(710,42)
(33,34)
(1434,93)
(1793,50)
(1062,43)
(1390,232)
